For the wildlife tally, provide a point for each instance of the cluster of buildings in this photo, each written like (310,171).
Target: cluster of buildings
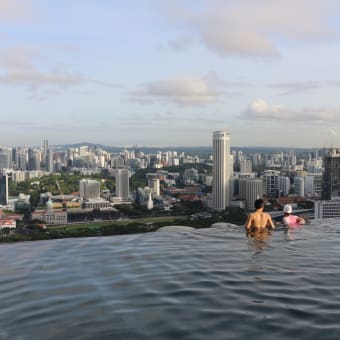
(283,177)
(237,178)
(25,163)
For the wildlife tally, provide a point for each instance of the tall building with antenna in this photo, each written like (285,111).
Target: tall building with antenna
(222,170)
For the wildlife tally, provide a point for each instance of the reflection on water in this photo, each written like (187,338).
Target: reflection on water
(259,238)
(193,284)
(292,232)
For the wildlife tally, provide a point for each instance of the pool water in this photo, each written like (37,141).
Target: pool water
(179,283)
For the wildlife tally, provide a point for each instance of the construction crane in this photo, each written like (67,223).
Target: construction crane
(62,196)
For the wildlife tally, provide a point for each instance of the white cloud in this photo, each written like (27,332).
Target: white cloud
(251,28)
(207,89)
(13,10)
(26,67)
(303,86)
(259,109)
(191,91)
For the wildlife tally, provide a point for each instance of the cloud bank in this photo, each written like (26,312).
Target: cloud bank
(289,88)
(252,28)
(206,89)
(185,90)
(260,110)
(26,67)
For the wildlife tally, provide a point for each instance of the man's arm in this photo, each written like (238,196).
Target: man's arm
(249,221)
(270,222)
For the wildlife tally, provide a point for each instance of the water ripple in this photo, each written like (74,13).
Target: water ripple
(185,284)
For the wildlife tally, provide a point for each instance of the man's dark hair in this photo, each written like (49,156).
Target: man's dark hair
(259,203)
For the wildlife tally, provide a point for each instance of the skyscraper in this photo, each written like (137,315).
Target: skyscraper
(45,147)
(299,186)
(49,160)
(271,179)
(3,189)
(4,158)
(222,170)
(122,183)
(331,175)
(154,185)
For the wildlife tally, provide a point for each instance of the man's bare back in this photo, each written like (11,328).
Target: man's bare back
(259,220)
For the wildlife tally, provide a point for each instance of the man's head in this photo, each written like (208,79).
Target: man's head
(259,203)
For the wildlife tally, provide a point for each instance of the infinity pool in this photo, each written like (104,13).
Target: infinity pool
(213,283)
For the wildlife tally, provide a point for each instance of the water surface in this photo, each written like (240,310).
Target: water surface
(188,284)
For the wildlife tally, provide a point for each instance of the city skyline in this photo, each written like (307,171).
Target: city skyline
(170,73)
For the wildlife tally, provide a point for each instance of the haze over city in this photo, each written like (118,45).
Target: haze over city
(168,73)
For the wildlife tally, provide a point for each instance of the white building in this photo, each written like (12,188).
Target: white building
(326,209)
(254,191)
(149,204)
(51,217)
(245,166)
(89,188)
(154,184)
(222,170)
(284,184)
(313,184)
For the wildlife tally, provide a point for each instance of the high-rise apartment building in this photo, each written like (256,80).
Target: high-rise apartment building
(331,175)
(272,183)
(122,183)
(222,170)
(284,184)
(254,190)
(245,166)
(313,184)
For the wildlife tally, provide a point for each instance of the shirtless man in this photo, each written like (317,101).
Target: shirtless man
(259,219)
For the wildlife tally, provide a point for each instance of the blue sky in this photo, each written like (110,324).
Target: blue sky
(169,73)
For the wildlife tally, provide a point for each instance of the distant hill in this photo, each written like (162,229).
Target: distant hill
(194,150)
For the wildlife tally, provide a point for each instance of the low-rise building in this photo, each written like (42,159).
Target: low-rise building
(50,216)
(7,223)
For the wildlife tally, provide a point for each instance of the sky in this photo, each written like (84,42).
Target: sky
(170,72)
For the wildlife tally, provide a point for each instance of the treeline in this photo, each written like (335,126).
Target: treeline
(68,182)
(35,232)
